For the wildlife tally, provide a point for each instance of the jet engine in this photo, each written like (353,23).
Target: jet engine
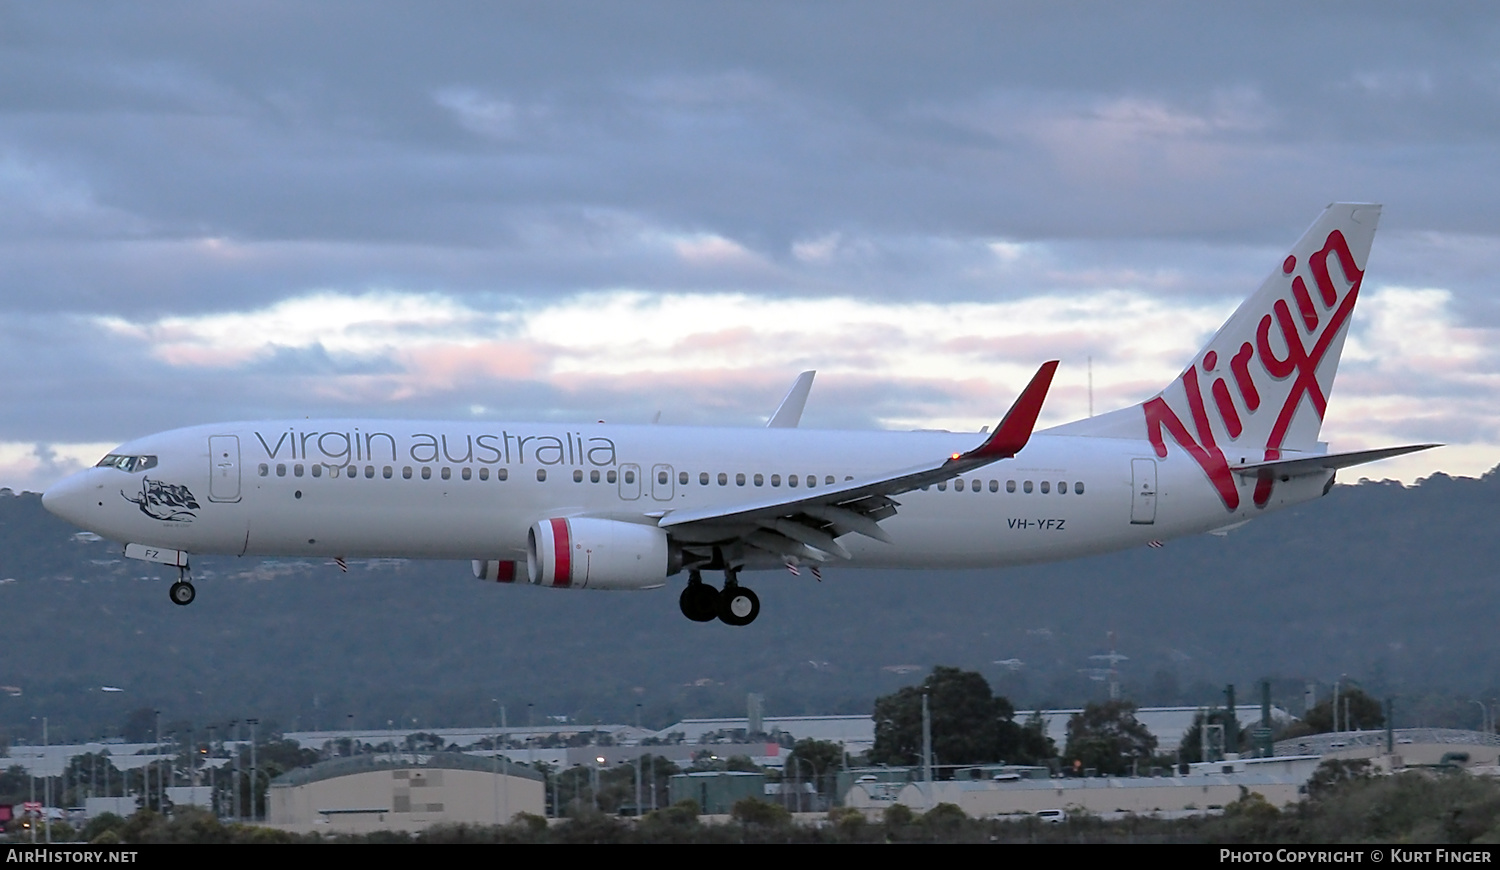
(500,572)
(588,553)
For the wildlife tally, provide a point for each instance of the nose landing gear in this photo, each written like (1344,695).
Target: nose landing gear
(701,602)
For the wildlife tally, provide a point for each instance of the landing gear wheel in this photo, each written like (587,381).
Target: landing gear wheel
(699,601)
(182,593)
(738,606)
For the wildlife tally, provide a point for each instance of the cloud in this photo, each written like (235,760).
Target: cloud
(596,210)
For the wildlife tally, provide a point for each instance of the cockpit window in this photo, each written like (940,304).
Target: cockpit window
(127,463)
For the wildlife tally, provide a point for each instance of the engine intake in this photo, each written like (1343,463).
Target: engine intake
(588,553)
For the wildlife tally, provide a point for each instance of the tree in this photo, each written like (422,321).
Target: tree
(1108,738)
(817,759)
(1363,712)
(1190,750)
(970,724)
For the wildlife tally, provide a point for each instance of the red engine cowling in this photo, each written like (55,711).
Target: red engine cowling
(500,572)
(587,553)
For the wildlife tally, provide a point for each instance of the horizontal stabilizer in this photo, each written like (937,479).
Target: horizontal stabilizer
(1298,466)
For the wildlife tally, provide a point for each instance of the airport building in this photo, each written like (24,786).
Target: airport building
(361,794)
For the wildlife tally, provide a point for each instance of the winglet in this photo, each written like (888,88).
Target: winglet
(1015,430)
(789,414)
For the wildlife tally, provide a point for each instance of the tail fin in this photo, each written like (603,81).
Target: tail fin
(1261,384)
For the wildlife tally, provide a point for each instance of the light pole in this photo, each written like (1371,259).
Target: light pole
(46,786)
(236,790)
(254,778)
(161,802)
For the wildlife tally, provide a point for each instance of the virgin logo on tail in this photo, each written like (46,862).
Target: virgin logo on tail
(1273,358)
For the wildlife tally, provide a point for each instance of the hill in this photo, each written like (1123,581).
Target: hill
(1389,584)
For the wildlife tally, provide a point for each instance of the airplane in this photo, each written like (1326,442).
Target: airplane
(599,506)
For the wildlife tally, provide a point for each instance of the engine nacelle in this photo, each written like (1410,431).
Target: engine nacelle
(588,553)
(500,572)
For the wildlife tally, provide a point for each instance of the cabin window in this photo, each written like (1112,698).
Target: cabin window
(1046,487)
(405,472)
(943,487)
(369,472)
(502,473)
(446,473)
(682,478)
(609,476)
(958,485)
(791,480)
(723,479)
(829,480)
(1010,486)
(317,471)
(760,480)
(484,474)
(281,469)
(976,485)
(264,469)
(1026,487)
(426,473)
(594,476)
(812,481)
(739,479)
(387,472)
(776,480)
(577,476)
(703,478)
(629,476)
(541,474)
(333,471)
(1062,487)
(994,486)
(1078,487)
(297,470)
(466,473)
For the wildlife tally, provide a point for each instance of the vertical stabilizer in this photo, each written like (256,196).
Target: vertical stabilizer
(1261,385)
(789,413)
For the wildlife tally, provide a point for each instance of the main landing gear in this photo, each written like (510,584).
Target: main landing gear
(701,602)
(182,592)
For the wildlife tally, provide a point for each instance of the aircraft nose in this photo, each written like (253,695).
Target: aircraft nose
(70,497)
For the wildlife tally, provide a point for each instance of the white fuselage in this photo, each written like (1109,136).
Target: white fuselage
(445,490)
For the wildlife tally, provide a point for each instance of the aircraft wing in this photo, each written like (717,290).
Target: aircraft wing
(789,412)
(807,525)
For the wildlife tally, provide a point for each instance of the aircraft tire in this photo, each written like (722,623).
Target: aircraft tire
(738,606)
(699,602)
(182,593)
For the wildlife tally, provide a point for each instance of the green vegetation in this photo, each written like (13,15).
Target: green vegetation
(1108,739)
(970,724)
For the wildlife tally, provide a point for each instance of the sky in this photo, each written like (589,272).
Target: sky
(572,211)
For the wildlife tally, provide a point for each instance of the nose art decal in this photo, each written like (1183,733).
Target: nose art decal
(164,501)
